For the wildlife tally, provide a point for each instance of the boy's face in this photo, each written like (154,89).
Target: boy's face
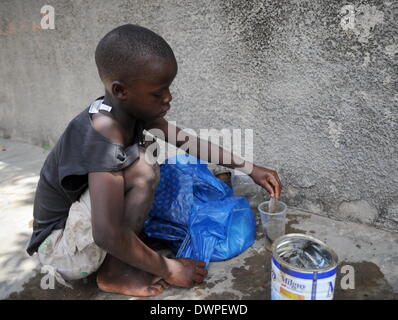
(148,96)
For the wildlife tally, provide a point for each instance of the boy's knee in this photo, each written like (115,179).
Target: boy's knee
(146,182)
(145,176)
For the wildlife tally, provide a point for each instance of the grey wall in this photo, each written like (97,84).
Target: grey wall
(316,80)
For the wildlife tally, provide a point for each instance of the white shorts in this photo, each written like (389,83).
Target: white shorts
(71,251)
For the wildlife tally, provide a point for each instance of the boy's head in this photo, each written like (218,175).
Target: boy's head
(137,67)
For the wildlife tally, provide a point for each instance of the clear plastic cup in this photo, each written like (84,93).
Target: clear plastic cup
(273,222)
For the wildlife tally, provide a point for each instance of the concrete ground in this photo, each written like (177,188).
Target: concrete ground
(373,253)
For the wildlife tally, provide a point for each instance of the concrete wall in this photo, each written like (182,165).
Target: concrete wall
(316,80)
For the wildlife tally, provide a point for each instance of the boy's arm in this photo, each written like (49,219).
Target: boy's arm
(208,151)
(111,234)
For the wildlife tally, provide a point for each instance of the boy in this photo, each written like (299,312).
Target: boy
(96,188)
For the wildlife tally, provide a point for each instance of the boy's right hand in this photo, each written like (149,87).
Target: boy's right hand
(185,272)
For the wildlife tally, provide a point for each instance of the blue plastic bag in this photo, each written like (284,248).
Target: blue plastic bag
(197,214)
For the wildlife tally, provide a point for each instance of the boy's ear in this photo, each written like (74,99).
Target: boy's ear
(119,90)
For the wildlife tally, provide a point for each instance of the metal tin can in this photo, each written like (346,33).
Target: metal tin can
(303,268)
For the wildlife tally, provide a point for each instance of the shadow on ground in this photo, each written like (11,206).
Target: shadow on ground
(15,263)
(84,289)
(12,259)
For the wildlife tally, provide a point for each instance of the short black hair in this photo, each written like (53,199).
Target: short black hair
(120,49)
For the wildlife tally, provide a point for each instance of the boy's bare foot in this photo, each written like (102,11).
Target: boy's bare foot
(116,276)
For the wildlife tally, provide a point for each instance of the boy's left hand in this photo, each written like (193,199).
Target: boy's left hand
(267,179)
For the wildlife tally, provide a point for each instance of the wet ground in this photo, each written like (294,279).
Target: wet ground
(247,278)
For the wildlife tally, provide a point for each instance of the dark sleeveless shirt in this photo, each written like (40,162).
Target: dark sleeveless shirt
(64,176)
